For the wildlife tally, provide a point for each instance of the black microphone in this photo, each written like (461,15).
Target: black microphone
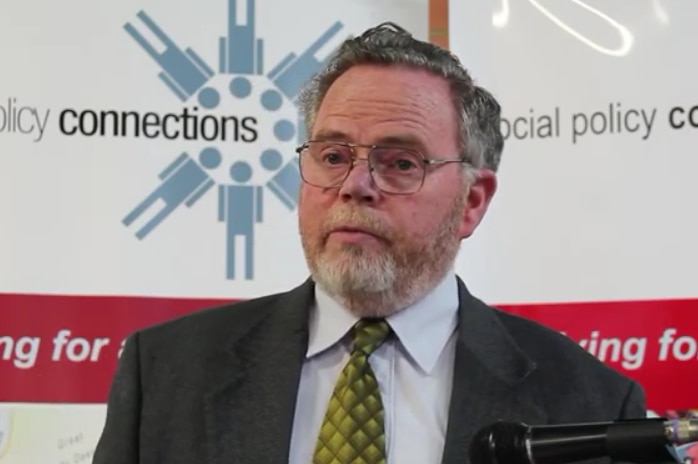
(634,440)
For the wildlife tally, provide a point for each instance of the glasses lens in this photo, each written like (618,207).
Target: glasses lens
(397,170)
(394,169)
(325,164)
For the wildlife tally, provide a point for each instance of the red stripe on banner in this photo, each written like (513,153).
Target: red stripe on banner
(90,329)
(65,348)
(654,342)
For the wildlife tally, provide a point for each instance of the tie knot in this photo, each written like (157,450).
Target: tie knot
(369,334)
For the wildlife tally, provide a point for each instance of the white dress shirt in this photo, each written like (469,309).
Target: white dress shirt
(414,372)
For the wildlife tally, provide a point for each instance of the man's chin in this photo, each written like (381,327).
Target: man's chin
(349,272)
(340,254)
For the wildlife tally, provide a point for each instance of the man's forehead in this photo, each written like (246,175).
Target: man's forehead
(370,108)
(396,138)
(386,138)
(390,84)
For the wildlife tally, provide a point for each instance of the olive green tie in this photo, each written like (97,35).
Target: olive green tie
(353,430)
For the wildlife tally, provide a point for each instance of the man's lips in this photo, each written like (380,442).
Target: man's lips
(349,231)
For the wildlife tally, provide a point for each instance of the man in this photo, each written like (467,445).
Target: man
(382,355)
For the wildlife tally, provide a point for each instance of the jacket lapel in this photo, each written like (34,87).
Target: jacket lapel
(489,377)
(250,407)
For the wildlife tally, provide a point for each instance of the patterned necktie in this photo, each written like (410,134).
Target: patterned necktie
(353,430)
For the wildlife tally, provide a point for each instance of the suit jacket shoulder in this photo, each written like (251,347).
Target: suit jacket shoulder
(209,328)
(205,387)
(571,380)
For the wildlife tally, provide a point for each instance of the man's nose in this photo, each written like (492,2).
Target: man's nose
(359,185)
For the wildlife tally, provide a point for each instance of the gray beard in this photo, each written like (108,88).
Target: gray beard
(374,284)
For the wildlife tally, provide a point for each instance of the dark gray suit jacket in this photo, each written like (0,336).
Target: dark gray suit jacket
(219,386)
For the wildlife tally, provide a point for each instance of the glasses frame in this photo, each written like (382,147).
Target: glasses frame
(302,149)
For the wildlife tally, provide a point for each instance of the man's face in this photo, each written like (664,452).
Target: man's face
(376,249)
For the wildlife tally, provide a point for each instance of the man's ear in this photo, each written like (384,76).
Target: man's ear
(477,201)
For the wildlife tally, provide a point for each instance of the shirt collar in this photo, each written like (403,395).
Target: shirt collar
(423,328)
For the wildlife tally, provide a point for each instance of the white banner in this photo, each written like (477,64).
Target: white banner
(146,150)
(597,183)
(128,130)
(37,434)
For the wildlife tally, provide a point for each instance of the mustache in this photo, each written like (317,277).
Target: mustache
(356,218)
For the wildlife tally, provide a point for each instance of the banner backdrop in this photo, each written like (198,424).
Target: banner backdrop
(148,170)
(593,230)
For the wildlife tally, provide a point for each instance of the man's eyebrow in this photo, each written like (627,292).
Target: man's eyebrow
(330,134)
(405,140)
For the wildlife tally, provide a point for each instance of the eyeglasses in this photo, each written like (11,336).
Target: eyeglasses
(394,170)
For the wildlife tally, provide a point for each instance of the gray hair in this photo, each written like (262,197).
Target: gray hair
(480,137)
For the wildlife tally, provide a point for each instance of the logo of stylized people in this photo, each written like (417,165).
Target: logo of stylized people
(188,178)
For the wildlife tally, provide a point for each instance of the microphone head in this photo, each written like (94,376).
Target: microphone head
(500,443)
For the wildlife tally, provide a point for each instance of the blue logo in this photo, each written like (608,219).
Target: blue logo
(189,177)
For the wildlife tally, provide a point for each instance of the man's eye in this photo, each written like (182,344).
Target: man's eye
(333,158)
(404,164)
(397,161)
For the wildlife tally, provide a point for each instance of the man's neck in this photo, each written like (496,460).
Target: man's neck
(389,302)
